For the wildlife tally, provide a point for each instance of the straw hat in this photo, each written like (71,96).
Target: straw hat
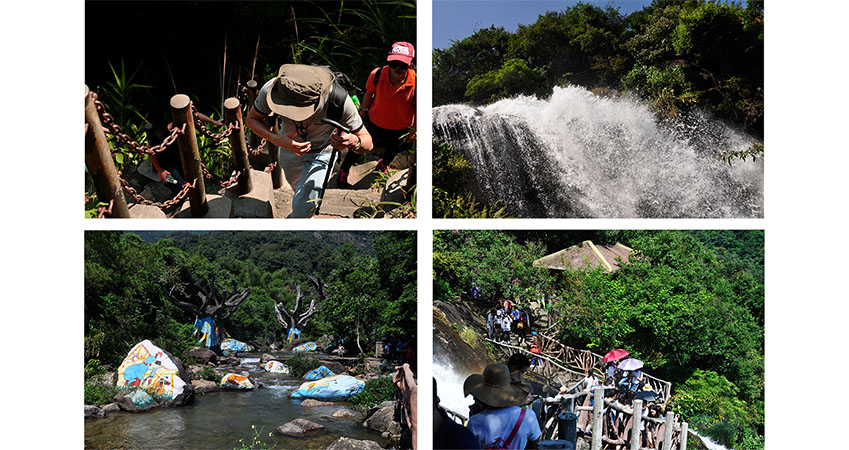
(493,387)
(299,91)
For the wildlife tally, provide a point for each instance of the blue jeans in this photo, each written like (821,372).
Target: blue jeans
(305,174)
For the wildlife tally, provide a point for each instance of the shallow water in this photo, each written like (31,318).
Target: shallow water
(220,419)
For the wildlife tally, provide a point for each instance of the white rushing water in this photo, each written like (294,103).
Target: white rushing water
(449,385)
(580,155)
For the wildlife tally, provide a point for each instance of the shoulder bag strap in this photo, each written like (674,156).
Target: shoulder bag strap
(515,429)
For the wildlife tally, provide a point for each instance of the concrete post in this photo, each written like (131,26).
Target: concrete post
(181,112)
(233,114)
(683,440)
(98,160)
(636,436)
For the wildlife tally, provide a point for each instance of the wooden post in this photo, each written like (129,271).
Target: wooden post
(667,430)
(598,420)
(233,114)
(98,160)
(181,112)
(636,436)
(683,440)
(252,91)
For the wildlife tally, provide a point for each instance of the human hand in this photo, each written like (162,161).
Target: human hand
(291,145)
(341,140)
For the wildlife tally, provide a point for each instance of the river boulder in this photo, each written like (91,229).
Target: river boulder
(230,345)
(201,355)
(232,381)
(334,366)
(275,367)
(135,400)
(158,373)
(344,443)
(299,427)
(305,347)
(204,386)
(338,386)
(382,419)
(266,358)
(319,373)
(93,411)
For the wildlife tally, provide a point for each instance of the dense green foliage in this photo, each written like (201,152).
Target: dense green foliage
(690,305)
(300,364)
(675,54)
(376,391)
(124,303)
(451,175)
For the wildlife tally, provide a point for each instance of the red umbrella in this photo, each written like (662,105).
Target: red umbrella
(615,355)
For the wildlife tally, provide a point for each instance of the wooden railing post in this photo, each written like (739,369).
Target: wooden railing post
(181,112)
(98,160)
(233,114)
(683,441)
(667,429)
(636,436)
(598,420)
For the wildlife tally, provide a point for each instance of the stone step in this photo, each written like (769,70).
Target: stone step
(259,202)
(220,207)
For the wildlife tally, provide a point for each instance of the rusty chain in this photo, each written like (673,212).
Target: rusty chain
(163,205)
(104,210)
(109,126)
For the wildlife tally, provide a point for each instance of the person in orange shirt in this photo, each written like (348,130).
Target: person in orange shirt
(389,109)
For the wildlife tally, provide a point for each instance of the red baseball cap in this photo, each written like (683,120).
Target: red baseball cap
(402,51)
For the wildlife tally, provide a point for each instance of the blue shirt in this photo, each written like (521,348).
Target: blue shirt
(491,425)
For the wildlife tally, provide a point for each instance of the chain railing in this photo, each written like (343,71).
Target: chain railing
(109,186)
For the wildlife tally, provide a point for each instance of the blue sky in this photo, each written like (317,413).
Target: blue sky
(455,20)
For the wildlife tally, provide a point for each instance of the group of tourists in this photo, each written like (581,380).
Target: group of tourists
(502,323)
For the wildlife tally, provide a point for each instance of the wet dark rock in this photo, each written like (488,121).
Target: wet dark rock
(229,361)
(299,427)
(202,355)
(334,366)
(344,443)
(382,419)
(93,411)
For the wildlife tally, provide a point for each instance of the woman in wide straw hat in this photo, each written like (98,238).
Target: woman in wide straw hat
(500,423)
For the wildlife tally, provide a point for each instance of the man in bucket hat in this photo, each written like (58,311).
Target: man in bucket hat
(501,424)
(298,96)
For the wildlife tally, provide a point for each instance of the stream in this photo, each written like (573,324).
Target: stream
(220,419)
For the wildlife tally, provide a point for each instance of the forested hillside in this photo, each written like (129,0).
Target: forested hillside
(675,54)
(369,277)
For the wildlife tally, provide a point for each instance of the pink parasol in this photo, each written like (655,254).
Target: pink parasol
(615,355)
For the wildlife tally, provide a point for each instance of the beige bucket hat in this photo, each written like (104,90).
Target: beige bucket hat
(299,91)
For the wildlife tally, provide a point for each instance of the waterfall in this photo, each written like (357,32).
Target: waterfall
(580,155)
(709,444)
(449,386)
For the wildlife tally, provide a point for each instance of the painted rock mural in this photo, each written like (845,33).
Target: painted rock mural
(307,347)
(275,367)
(151,369)
(232,345)
(317,374)
(234,381)
(339,386)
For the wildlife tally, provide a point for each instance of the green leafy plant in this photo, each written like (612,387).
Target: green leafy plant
(209,374)
(254,442)
(755,151)
(300,364)
(98,394)
(376,391)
